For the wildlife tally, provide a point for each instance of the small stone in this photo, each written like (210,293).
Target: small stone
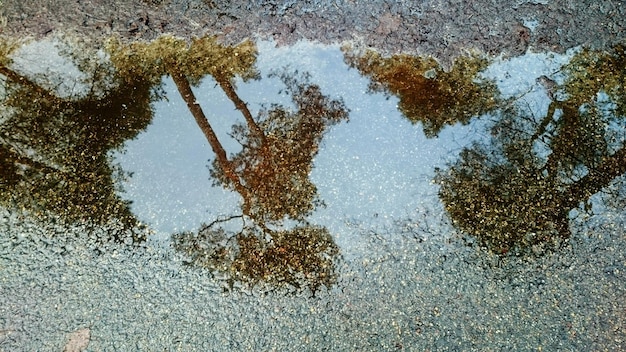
(78,340)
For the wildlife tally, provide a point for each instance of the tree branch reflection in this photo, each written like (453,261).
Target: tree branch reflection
(275,243)
(427,93)
(271,173)
(53,149)
(516,192)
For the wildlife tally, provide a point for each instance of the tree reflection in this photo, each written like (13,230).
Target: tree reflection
(518,191)
(302,257)
(427,93)
(271,172)
(278,152)
(53,149)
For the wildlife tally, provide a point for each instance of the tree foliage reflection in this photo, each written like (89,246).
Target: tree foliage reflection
(278,150)
(54,149)
(301,257)
(517,191)
(271,172)
(427,93)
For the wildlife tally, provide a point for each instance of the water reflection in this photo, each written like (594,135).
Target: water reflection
(516,191)
(278,150)
(517,188)
(271,172)
(427,93)
(53,149)
(512,192)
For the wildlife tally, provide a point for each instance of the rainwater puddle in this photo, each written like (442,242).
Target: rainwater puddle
(196,196)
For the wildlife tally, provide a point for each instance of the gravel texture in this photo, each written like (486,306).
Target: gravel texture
(404,294)
(441,28)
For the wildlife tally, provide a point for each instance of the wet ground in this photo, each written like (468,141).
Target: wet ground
(312,192)
(443,29)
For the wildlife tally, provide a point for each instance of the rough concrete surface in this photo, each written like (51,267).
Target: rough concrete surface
(441,28)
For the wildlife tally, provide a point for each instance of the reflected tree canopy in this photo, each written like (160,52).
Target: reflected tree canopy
(278,150)
(301,257)
(518,190)
(271,172)
(427,93)
(53,149)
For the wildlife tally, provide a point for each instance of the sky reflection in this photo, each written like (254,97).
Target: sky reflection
(373,170)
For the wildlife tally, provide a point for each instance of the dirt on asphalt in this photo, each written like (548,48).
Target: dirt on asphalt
(440,28)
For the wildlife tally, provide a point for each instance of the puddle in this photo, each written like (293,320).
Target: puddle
(315,194)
